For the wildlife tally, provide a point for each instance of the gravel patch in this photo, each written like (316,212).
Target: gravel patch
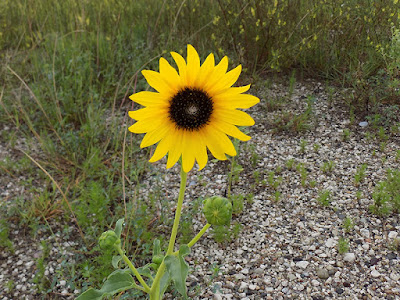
(287,248)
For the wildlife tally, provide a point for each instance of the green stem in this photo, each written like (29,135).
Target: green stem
(133,269)
(177,213)
(196,238)
(155,288)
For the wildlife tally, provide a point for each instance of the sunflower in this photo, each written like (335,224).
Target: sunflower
(192,110)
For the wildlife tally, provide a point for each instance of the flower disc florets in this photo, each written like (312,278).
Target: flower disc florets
(217,210)
(190,109)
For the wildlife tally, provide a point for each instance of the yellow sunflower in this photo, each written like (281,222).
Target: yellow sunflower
(192,110)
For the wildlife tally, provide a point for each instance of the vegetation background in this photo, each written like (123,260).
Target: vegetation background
(68,67)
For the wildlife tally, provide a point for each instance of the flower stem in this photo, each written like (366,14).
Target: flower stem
(177,212)
(155,288)
(197,237)
(133,269)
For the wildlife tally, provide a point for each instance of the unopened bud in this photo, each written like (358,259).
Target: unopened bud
(108,240)
(217,210)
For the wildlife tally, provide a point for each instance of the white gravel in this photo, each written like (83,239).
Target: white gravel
(286,249)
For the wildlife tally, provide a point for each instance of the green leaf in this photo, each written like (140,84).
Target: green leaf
(118,227)
(164,283)
(178,269)
(115,261)
(145,271)
(156,247)
(118,281)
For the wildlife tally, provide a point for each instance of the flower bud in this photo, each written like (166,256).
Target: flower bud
(108,240)
(217,210)
(157,259)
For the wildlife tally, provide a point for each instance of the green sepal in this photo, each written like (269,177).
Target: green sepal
(115,261)
(118,281)
(118,227)
(178,269)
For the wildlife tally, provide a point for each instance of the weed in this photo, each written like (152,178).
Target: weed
(346,134)
(41,281)
(277,196)
(348,224)
(359,195)
(237,204)
(386,194)
(328,166)
(5,241)
(256,176)
(303,174)
(272,181)
(397,158)
(303,145)
(343,245)
(360,174)
(290,164)
(324,198)
(316,147)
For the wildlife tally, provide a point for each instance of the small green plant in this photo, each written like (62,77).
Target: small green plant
(359,195)
(41,281)
(292,83)
(343,245)
(316,147)
(397,158)
(5,241)
(237,204)
(324,198)
(346,134)
(348,224)
(313,183)
(290,164)
(277,196)
(273,181)
(303,174)
(386,195)
(327,166)
(256,176)
(303,145)
(360,174)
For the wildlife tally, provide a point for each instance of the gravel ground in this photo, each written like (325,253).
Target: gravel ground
(286,249)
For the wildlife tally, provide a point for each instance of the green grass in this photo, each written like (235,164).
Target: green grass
(68,68)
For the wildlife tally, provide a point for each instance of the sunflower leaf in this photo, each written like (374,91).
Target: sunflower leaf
(178,269)
(118,281)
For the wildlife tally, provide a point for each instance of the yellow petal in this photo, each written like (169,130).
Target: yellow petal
(233,116)
(217,74)
(206,70)
(154,136)
(188,151)
(193,65)
(231,130)
(235,101)
(156,81)
(175,151)
(180,62)
(149,98)
(163,147)
(201,150)
(226,81)
(148,124)
(169,74)
(218,143)
(148,112)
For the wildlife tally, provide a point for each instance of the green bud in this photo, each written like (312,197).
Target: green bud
(217,210)
(157,259)
(108,240)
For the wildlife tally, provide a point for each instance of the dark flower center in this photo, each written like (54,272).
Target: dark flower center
(190,109)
